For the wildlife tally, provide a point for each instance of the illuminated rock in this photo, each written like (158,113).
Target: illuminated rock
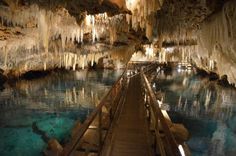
(55,146)
(180,133)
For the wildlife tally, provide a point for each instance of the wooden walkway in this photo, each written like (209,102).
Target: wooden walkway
(130,135)
(122,126)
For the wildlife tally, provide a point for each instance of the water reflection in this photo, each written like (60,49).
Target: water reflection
(51,104)
(205,108)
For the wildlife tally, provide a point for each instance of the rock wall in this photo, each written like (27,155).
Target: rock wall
(217,42)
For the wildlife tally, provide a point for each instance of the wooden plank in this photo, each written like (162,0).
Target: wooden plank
(130,136)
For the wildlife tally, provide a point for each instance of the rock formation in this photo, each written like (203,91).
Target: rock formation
(42,35)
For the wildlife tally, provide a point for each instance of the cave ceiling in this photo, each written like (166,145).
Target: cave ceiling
(74,28)
(174,18)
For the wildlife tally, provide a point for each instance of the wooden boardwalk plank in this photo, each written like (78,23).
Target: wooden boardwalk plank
(130,135)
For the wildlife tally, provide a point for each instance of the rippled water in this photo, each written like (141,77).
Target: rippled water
(51,105)
(206,109)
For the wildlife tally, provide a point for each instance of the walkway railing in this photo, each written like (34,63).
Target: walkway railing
(91,135)
(97,124)
(137,70)
(167,144)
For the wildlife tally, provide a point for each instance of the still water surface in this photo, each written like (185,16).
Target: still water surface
(206,109)
(51,105)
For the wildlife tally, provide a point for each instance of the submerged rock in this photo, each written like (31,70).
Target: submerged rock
(40,132)
(180,133)
(199,144)
(55,146)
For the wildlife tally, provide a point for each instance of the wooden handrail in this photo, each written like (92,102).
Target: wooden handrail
(146,69)
(97,112)
(71,146)
(157,113)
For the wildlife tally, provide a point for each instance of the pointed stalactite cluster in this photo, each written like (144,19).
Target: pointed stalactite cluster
(217,42)
(143,15)
(53,39)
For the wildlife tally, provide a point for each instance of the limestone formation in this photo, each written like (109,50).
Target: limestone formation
(42,35)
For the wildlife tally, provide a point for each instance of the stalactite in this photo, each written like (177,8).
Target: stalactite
(142,14)
(43,29)
(75,61)
(39,26)
(45,66)
(93,29)
(83,61)
(77,34)
(81,34)
(149,30)
(216,42)
(113,35)
(6,55)
(26,66)
(60,60)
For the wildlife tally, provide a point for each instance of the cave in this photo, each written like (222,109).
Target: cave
(117,77)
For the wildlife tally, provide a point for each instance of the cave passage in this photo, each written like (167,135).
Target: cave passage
(66,67)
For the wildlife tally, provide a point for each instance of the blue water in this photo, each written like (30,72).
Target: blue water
(206,109)
(53,104)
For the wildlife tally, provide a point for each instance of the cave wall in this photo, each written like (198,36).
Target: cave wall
(217,42)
